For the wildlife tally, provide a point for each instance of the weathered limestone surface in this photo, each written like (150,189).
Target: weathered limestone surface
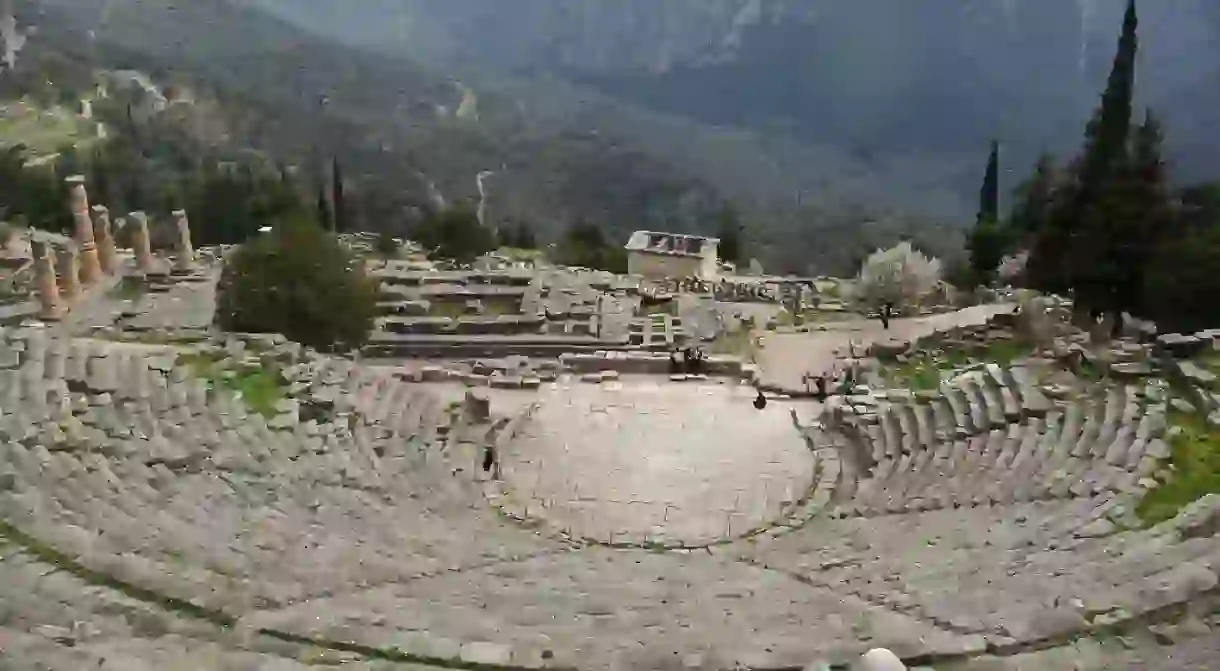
(48,285)
(141,241)
(185,260)
(78,201)
(69,272)
(104,237)
(977,519)
(653,463)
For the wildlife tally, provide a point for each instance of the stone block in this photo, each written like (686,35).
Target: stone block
(1181,346)
(477,406)
(1196,375)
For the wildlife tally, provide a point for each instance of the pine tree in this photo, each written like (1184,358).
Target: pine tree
(1064,253)
(339,222)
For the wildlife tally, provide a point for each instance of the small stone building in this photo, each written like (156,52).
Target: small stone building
(661,255)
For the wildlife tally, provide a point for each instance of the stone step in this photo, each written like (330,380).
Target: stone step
(962,420)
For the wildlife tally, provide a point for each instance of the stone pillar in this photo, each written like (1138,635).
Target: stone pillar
(140,242)
(186,252)
(78,200)
(69,272)
(105,239)
(48,288)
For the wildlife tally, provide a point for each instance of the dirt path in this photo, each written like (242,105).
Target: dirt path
(785,357)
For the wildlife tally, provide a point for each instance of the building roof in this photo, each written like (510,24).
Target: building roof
(670,244)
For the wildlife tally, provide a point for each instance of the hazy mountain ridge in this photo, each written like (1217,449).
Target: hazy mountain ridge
(870,76)
(393,123)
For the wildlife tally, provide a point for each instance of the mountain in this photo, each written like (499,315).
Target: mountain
(870,77)
(403,131)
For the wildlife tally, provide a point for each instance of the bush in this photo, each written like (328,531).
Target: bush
(585,246)
(901,276)
(455,234)
(1181,284)
(300,281)
(386,245)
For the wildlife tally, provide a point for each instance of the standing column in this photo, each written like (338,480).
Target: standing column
(186,251)
(104,238)
(140,242)
(78,201)
(69,272)
(48,288)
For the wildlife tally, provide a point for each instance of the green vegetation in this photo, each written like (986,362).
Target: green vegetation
(260,387)
(386,246)
(988,242)
(1194,453)
(1195,456)
(43,131)
(585,245)
(662,308)
(519,237)
(732,248)
(454,234)
(739,343)
(301,282)
(925,371)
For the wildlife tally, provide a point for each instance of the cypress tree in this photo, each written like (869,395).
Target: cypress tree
(339,220)
(729,232)
(1145,216)
(325,219)
(988,242)
(989,195)
(1064,254)
(1034,196)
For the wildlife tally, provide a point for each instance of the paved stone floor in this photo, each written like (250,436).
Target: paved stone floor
(785,357)
(654,462)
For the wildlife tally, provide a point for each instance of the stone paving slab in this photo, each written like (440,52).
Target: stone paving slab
(648,462)
(605,609)
(785,357)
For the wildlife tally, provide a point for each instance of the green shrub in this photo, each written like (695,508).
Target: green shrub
(300,281)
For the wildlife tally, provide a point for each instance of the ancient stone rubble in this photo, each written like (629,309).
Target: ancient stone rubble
(546,493)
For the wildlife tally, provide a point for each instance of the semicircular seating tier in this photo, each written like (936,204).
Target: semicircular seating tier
(149,519)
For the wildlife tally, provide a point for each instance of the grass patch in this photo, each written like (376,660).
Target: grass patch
(926,371)
(738,343)
(1195,455)
(261,387)
(520,254)
(128,289)
(663,308)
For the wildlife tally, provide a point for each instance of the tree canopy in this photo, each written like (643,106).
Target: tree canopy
(455,234)
(298,280)
(585,245)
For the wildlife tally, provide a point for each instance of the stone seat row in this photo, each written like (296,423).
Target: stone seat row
(230,543)
(1029,594)
(176,416)
(124,506)
(995,580)
(1113,444)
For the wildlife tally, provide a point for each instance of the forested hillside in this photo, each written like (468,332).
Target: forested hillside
(407,139)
